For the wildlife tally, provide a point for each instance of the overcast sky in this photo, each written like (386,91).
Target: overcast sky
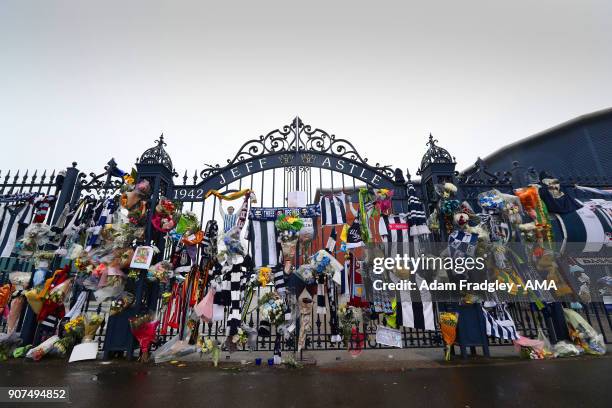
(86,81)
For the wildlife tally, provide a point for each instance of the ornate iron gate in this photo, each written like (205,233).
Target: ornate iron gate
(294,157)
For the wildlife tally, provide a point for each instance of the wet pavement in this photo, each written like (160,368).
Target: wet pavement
(575,382)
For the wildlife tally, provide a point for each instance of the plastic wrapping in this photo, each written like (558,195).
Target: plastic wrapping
(566,349)
(121,302)
(14,313)
(584,334)
(8,343)
(42,349)
(174,349)
(20,279)
(144,330)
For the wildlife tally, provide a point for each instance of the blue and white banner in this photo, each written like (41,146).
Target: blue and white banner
(271,213)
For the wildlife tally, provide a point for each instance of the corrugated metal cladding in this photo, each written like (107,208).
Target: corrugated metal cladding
(581,147)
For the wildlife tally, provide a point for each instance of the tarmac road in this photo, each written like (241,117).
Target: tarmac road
(576,382)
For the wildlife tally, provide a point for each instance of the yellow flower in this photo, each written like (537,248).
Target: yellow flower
(291,220)
(264,275)
(128,179)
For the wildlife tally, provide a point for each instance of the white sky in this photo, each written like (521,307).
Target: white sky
(86,81)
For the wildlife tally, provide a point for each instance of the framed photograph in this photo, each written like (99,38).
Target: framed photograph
(142,257)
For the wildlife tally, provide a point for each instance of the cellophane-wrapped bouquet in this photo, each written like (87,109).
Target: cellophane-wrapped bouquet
(289,228)
(272,308)
(121,302)
(144,329)
(8,343)
(43,348)
(74,330)
(448,327)
(211,347)
(92,323)
(161,271)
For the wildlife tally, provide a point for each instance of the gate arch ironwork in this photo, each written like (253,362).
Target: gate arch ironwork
(296,145)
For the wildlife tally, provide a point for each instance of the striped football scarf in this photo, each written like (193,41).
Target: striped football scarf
(499,323)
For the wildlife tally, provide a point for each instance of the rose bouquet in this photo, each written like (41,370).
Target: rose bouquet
(144,330)
(163,220)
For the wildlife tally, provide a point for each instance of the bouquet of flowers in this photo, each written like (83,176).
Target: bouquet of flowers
(583,334)
(14,313)
(264,276)
(34,300)
(6,291)
(272,308)
(162,271)
(163,220)
(288,227)
(382,201)
(306,273)
(74,331)
(446,190)
(231,252)
(20,279)
(210,346)
(144,329)
(8,342)
(348,316)
(306,236)
(491,201)
(53,293)
(448,327)
(240,338)
(325,264)
(121,302)
(42,349)
(188,221)
(135,194)
(92,323)
(34,236)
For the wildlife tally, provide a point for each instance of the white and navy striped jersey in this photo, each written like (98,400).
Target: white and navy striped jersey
(499,323)
(14,218)
(333,210)
(263,238)
(394,231)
